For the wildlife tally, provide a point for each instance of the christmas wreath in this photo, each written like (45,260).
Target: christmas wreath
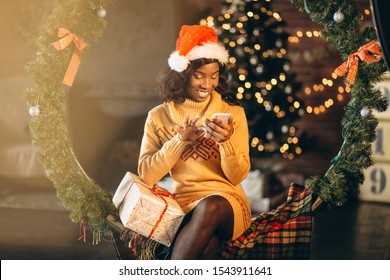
(63,42)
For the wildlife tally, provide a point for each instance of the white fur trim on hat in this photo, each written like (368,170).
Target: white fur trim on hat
(209,50)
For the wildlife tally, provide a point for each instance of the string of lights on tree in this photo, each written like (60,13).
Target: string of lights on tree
(261,76)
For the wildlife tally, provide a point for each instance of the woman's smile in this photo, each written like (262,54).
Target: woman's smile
(203,93)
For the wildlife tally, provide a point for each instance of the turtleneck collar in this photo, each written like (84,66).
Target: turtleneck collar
(204,109)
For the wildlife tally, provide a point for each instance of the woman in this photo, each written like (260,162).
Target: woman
(206,158)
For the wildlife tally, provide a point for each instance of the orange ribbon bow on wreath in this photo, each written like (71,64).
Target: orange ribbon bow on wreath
(66,38)
(370,52)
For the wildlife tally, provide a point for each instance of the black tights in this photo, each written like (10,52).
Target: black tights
(203,229)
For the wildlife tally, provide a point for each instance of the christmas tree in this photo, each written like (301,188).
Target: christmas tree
(260,73)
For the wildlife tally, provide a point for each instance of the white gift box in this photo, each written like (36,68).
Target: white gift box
(148,210)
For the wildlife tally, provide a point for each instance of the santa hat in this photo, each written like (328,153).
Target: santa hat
(196,41)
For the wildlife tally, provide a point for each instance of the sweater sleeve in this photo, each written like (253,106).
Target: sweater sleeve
(157,159)
(235,160)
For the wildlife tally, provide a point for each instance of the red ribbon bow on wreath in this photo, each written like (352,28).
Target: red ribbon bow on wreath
(66,38)
(370,52)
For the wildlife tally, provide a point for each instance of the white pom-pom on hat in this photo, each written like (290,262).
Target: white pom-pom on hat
(177,62)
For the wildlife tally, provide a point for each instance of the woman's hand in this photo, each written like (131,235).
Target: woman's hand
(189,131)
(218,130)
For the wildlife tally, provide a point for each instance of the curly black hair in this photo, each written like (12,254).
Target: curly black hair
(171,84)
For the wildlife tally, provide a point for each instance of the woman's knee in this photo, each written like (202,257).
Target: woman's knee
(215,211)
(215,207)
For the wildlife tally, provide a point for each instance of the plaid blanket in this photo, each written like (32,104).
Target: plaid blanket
(283,233)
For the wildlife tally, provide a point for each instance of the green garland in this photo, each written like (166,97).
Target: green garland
(89,203)
(345,175)
(80,194)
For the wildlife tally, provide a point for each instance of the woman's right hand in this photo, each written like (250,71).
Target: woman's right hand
(189,131)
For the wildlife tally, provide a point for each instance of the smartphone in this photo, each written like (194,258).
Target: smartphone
(222,116)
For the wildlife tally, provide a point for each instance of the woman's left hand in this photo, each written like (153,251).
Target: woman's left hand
(189,131)
(218,130)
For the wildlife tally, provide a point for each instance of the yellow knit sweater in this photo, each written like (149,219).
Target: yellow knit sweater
(200,168)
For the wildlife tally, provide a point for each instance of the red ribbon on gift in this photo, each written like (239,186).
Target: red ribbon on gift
(66,38)
(161,193)
(370,52)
